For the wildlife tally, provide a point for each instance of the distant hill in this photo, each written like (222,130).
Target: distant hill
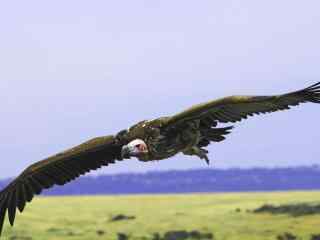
(230,180)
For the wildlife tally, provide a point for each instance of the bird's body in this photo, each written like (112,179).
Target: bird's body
(164,142)
(188,132)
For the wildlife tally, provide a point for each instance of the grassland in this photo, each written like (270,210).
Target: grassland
(223,215)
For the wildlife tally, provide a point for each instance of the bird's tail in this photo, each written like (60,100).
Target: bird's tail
(214,135)
(218,134)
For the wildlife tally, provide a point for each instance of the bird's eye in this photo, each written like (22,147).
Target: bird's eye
(138,146)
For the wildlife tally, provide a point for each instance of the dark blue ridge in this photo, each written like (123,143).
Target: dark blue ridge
(193,181)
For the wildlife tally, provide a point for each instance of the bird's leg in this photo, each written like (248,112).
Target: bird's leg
(199,152)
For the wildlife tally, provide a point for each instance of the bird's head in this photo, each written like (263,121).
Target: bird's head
(136,148)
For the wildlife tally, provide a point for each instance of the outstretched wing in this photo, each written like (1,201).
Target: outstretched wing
(236,108)
(59,169)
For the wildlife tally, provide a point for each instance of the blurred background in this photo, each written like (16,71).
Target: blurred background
(74,70)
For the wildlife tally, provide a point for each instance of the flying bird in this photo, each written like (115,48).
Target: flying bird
(187,132)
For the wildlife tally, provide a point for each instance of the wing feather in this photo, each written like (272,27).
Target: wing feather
(236,108)
(56,170)
(2,213)
(22,199)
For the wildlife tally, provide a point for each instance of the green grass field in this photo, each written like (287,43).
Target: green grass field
(82,218)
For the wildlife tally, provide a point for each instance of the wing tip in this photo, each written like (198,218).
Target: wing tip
(312,93)
(314,86)
(12,207)
(3,209)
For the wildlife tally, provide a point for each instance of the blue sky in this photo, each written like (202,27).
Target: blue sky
(73,70)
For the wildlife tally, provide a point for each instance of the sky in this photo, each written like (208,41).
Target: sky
(73,70)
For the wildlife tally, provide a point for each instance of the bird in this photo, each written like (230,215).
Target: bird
(188,132)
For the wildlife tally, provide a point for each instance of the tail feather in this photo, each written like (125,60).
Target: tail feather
(214,135)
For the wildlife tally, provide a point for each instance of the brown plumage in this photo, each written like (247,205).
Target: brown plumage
(187,132)
(59,169)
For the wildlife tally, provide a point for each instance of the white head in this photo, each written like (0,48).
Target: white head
(135,148)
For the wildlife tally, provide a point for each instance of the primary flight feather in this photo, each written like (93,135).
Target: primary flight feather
(187,132)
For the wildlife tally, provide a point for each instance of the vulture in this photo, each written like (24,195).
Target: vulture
(187,132)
